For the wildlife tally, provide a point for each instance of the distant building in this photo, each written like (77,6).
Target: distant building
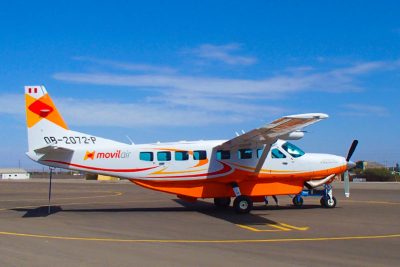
(363,165)
(14,173)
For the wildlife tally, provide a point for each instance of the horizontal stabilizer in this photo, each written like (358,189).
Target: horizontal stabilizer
(52,149)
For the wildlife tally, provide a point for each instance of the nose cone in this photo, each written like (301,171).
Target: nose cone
(350,165)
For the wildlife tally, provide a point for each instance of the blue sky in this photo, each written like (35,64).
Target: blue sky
(181,70)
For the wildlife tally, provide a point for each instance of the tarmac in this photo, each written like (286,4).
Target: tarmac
(119,224)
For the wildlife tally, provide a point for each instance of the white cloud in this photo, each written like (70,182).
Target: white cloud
(180,112)
(101,113)
(11,104)
(185,100)
(134,67)
(364,110)
(222,53)
(337,80)
(193,100)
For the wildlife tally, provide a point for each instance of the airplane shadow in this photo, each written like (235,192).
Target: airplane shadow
(42,211)
(206,208)
(229,215)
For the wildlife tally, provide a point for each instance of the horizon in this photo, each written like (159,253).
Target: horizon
(162,71)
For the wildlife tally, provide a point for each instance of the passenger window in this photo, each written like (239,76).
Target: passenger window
(277,154)
(199,154)
(164,156)
(146,156)
(223,154)
(245,153)
(181,155)
(259,152)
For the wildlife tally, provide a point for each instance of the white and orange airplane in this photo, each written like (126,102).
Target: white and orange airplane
(249,167)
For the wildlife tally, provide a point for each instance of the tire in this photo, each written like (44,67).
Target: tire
(297,202)
(322,202)
(330,203)
(222,202)
(242,204)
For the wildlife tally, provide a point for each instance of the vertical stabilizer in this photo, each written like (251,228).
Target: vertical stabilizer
(46,127)
(42,116)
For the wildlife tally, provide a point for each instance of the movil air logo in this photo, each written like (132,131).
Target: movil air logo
(118,154)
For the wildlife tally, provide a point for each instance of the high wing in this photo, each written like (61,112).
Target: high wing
(270,133)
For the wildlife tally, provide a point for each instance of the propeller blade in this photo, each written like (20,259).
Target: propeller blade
(352,149)
(346,180)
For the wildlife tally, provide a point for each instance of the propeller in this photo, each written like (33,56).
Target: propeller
(350,165)
(351,150)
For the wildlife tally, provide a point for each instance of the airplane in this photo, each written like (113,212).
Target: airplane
(248,167)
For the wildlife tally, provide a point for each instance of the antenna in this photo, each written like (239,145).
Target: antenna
(130,140)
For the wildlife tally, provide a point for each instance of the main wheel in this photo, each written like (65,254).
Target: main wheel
(242,204)
(222,202)
(297,201)
(330,202)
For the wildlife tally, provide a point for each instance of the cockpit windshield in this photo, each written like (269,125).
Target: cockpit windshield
(293,150)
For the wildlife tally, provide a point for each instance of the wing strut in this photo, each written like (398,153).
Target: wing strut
(262,159)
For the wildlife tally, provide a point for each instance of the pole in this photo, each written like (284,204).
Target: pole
(50,178)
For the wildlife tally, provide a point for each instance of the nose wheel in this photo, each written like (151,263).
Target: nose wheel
(327,199)
(328,202)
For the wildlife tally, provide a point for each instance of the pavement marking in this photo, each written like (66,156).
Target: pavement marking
(279,227)
(232,241)
(255,229)
(294,227)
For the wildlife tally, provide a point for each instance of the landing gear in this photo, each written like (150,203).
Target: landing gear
(327,202)
(222,202)
(242,204)
(327,199)
(297,201)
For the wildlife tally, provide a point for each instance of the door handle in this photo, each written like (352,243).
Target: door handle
(284,163)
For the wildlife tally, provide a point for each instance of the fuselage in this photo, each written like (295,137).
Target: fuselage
(199,160)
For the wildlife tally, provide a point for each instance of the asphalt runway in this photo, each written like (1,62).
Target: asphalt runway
(119,224)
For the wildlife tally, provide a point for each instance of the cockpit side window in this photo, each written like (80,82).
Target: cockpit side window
(293,150)
(277,154)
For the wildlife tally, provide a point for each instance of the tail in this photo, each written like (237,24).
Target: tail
(47,130)
(42,117)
